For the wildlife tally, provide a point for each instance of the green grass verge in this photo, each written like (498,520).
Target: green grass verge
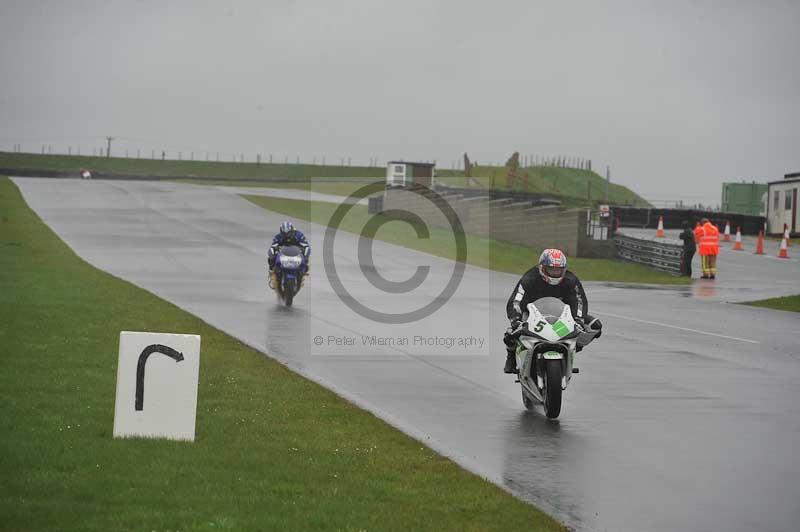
(273,452)
(483,252)
(226,170)
(790,303)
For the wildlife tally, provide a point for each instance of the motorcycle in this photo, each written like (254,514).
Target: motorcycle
(546,343)
(288,273)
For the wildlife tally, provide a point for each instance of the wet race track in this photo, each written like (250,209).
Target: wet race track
(684,415)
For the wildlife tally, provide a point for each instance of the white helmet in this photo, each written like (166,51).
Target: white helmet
(553,266)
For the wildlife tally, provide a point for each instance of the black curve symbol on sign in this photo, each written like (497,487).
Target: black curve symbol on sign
(149,350)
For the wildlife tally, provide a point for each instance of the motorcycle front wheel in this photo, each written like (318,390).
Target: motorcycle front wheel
(552,389)
(288,292)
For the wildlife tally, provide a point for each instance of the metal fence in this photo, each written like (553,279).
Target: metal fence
(659,254)
(674,218)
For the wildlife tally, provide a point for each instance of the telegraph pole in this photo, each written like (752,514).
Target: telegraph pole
(108,149)
(608,180)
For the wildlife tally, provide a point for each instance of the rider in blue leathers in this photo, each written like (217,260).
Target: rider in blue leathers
(288,236)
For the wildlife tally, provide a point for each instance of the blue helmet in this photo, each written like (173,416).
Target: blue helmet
(287,228)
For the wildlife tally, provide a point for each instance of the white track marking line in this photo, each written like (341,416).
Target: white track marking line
(677,327)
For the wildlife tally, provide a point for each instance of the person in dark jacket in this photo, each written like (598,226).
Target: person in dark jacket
(689,248)
(549,278)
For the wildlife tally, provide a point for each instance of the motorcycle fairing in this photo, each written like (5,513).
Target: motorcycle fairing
(538,324)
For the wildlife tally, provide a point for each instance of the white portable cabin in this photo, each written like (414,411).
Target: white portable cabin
(406,174)
(782,198)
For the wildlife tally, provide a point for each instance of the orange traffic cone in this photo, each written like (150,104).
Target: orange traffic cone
(738,245)
(727,235)
(760,244)
(783,253)
(660,230)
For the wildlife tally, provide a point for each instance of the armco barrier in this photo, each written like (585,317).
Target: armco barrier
(659,254)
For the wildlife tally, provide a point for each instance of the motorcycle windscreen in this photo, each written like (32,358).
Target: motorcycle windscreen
(290,251)
(550,308)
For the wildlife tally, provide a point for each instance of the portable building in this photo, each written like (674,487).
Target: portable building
(782,199)
(408,174)
(744,198)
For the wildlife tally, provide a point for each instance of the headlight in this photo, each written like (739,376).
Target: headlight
(291,262)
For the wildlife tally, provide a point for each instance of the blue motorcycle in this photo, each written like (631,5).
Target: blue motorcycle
(290,268)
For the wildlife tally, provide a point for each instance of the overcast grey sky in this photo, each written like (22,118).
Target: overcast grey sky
(676,96)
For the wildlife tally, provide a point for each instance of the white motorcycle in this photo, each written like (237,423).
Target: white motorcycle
(546,343)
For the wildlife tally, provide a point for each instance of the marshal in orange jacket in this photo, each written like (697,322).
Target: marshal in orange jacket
(707,238)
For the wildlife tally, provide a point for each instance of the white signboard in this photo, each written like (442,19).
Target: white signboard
(157,378)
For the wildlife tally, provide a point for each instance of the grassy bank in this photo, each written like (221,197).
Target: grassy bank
(573,186)
(483,252)
(789,303)
(273,451)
